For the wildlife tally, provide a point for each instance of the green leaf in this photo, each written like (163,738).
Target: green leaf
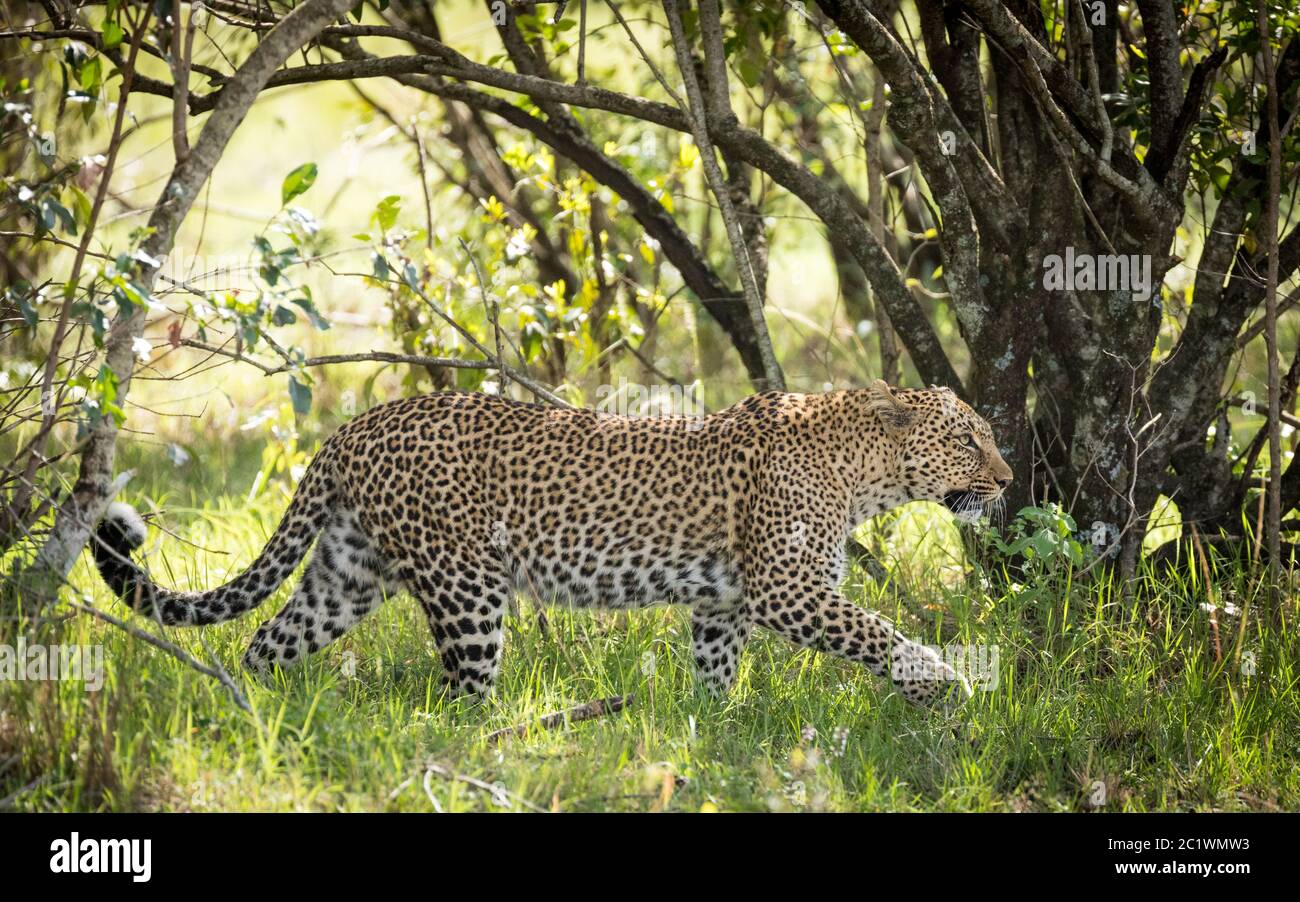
(1220,175)
(300,394)
(103,394)
(129,295)
(386,212)
(297,182)
(80,206)
(29,313)
(53,213)
(91,75)
(309,308)
(283,316)
(531,340)
(112,34)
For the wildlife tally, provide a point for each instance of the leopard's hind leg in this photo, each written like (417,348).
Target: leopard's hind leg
(343,581)
(464,591)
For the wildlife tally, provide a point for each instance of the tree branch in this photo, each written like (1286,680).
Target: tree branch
(698,111)
(912,115)
(718,299)
(907,316)
(1160,28)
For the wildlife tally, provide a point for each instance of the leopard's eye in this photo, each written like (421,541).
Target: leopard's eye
(969,442)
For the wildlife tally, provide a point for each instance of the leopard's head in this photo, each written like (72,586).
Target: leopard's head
(946,450)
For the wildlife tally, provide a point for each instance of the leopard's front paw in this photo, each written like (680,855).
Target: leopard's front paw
(925,678)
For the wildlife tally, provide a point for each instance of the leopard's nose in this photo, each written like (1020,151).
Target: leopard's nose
(1003,482)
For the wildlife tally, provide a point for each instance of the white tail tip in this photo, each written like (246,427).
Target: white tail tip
(128,521)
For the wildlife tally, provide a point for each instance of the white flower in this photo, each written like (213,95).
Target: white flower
(1229,609)
(257,420)
(141,348)
(151,262)
(518,245)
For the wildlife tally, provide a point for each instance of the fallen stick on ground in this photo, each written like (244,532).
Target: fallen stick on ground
(8,801)
(598,708)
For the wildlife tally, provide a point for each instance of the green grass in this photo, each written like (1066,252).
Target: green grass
(1094,690)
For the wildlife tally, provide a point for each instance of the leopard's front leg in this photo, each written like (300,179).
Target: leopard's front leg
(789,573)
(817,618)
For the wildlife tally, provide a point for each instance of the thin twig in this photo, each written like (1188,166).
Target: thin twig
(218,674)
(500,365)
(586,711)
(493,790)
(1273,519)
(489,307)
(331,359)
(699,109)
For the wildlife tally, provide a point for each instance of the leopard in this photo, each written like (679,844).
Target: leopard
(468,501)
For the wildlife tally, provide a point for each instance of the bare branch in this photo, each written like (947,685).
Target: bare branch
(699,113)
(500,365)
(332,359)
(1160,29)
(1273,529)
(495,791)
(912,115)
(719,299)
(220,675)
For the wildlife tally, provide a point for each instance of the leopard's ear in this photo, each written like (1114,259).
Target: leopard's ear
(947,397)
(896,415)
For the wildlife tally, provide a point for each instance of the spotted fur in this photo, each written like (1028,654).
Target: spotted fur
(463,499)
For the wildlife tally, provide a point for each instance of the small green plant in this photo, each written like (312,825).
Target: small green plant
(1044,538)
(1033,562)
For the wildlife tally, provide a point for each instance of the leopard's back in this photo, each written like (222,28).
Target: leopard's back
(582,507)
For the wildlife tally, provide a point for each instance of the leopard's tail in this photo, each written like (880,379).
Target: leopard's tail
(122,531)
